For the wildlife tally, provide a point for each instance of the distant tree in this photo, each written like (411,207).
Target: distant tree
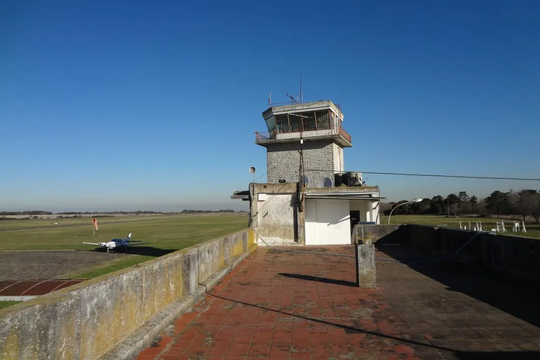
(463,202)
(385,208)
(425,206)
(437,205)
(497,202)
(513,207)
(473,202)
(402,210)
(452,204)
(536,210)
(527,202)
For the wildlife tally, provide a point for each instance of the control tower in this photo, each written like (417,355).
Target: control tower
(304,143)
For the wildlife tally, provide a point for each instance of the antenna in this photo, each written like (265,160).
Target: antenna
(292,97)
(270,99)
(301,93)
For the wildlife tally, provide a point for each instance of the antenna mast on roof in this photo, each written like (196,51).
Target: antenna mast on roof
(301,93)
(293,99)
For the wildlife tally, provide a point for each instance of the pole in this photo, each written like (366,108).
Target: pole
(389,216)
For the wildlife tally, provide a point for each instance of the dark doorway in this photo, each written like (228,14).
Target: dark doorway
(355,218)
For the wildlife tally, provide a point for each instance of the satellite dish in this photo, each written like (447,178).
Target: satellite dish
(252,170)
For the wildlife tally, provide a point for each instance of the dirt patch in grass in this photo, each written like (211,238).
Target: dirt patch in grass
(26,265)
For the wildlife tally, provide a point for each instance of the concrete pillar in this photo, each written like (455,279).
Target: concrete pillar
(366,274)
(253,206)
(301,216)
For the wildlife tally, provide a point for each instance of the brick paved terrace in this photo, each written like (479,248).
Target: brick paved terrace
(291,305)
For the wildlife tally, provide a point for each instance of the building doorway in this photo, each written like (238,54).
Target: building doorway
(355,218)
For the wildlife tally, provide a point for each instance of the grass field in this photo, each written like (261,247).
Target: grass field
(167,233)
(5,304)
(162,234)
(533,229)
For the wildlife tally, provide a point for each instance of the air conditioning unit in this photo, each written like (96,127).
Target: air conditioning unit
(355,179)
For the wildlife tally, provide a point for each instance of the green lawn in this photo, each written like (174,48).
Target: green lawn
(533,229)
(5,304)
(161,233)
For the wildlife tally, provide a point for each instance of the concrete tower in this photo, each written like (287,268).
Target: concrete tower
(304,143)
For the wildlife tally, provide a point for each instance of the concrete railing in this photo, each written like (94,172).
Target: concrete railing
(513,256)
(373,233)
(117,315)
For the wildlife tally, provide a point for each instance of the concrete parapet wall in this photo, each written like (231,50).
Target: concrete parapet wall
(117,315)
(373,233)
(275,213)
(516,257)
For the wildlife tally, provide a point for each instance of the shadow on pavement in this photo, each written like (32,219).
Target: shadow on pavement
(513,298)
(419,347)
(319,279)
(514,355)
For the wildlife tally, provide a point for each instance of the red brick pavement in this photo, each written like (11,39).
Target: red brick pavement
(282,305)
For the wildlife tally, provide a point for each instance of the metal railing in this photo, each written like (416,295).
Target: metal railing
(345,134)
(266,135)
(262,136)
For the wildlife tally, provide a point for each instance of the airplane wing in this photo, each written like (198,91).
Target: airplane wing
(89,243)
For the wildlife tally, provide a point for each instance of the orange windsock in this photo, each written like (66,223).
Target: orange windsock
(95,223)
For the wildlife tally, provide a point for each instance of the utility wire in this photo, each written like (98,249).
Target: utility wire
(440,175)
(260,177)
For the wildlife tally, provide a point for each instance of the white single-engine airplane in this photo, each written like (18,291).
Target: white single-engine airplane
(117,243)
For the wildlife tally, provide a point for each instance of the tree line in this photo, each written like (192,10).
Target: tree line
(522,203)
(27,212)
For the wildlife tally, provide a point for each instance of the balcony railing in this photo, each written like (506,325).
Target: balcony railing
(262,136)
(345,134)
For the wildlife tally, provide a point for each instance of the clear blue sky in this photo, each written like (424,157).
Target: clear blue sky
(117,105)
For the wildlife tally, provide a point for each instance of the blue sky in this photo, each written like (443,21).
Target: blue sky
(122,105)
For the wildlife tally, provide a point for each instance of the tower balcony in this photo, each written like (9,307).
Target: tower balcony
(288,134)
(320,120)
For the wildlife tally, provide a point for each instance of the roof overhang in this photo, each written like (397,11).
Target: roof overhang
(350,194)
(338,138)
(301,107)
(241,194)
(344,197)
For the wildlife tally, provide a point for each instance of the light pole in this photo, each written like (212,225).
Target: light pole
(408,202)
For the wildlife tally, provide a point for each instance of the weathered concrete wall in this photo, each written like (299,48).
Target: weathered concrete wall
(283,162)
(512,256)
(339,161)
(276,218)
(275,213)
(373,233)
(93,319)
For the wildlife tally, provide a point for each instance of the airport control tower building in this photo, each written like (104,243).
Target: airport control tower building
(304,143)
